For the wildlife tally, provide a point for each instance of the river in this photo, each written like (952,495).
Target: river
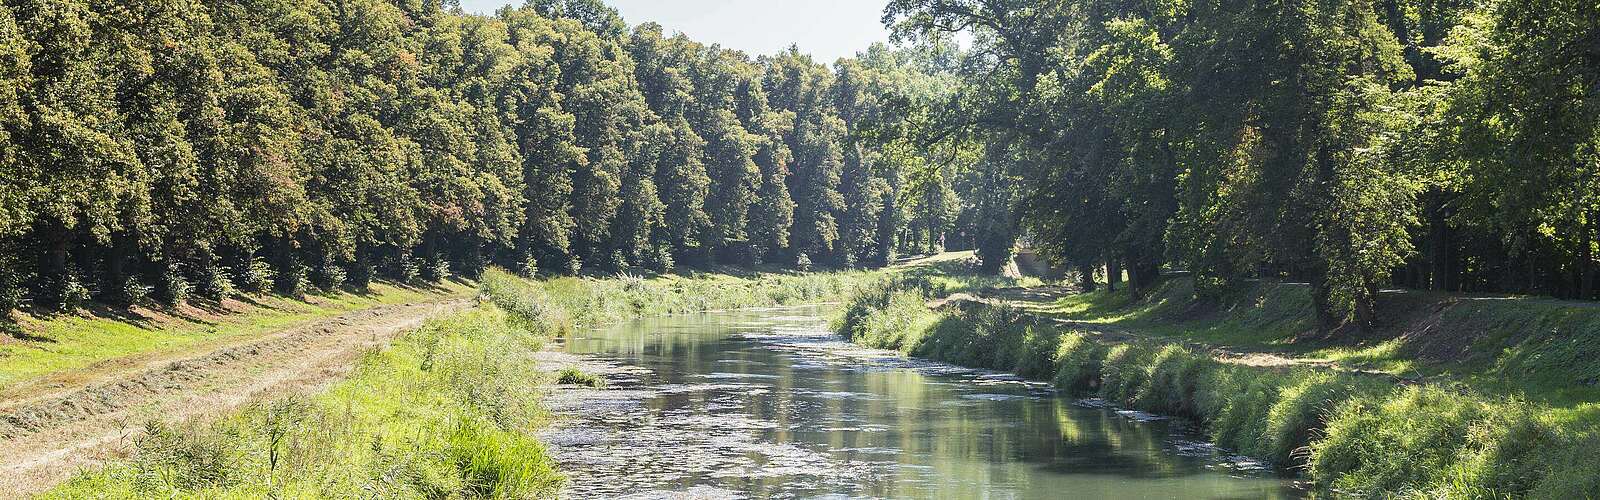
(768,403)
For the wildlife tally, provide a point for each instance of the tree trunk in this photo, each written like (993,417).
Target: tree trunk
(1143,275)
(58,252)
(1439,250)
(1322,301)
(1586,269)
(1113,273)
(1086,277)
(117,269)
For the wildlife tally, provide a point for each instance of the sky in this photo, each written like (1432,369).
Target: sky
(827,29)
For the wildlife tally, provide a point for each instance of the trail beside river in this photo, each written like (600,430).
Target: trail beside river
(49,437)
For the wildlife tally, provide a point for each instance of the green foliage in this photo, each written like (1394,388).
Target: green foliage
(1351,145)
(418,140)
(574,376)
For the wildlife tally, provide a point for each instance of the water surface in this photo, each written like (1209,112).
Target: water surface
(769,404)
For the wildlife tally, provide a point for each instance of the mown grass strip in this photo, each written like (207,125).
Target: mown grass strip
(57,345)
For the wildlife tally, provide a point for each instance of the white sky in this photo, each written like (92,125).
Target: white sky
(827,29)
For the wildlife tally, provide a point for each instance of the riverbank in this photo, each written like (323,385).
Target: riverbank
(1368,416)
(446,409)
(40,354)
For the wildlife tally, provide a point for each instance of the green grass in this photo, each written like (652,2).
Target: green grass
(1538,349)
(56,345)
(443,412)
(1352,433)
(592,302)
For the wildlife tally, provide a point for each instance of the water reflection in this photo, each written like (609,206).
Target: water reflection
(767,404)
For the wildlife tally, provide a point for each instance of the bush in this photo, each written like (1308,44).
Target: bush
(134,291)
(408,270)
(1078,363)
(70,292)
(174,288)
(13,280)
(255,277)
(659,259)
(436,270)
(573,376)
(530,306)
(214,283)
(292,280)
(528,267)
(361,275)
(331,276)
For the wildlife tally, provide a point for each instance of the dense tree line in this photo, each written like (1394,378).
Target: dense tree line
(1351,144)
(161,150)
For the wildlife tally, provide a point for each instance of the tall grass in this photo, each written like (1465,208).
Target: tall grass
(1350,433)
(590,301)
(443,412)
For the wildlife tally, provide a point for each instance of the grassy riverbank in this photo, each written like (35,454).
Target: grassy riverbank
(444,411)
(64,348)
(1462,434)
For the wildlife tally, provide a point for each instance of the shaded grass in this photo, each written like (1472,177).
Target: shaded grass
(71,342)
(1542,350)
(1349,433)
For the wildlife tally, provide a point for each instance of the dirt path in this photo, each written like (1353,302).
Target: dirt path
(47,438)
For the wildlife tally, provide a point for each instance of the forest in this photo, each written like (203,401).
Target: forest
(1353,145)
(156,151)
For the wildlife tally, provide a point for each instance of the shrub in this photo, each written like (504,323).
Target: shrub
(529,306)
(255,277)
(13,279)
(214,283)
(135,291)
(1078,363)
(361,274)
(528,267)
(408,270)
(1175,374)
(174,288)
(69,291)
(437,269)
(573,376)
(331,276)
(292,280)
(659,259)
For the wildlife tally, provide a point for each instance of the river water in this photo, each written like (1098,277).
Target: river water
(768,403)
